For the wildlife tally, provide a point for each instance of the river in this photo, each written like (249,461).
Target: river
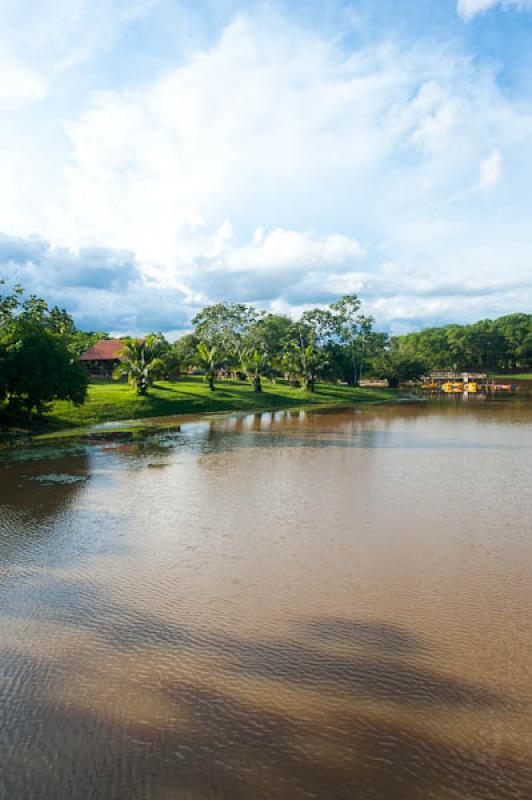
(333,605)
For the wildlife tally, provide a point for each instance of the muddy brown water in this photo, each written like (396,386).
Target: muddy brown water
(273,607)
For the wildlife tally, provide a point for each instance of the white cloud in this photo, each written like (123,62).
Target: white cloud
(491,169)
(57,35)
(279,168)
(469,8)
(106,289)
(19,83)
(282,249)
(275,126)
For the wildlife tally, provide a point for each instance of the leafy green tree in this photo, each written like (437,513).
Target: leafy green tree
(10,301)
(36,363)
(142,362)
(344,336)
(39,368)
(226,327)
(504,344)
(186,350)
(430,346)
(81,341)
(516,330)
(171,362)
(353,330)
(396,366)
(268,331)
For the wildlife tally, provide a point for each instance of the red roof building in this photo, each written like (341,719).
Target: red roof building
(103,357)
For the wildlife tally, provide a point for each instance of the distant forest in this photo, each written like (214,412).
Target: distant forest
(502,345)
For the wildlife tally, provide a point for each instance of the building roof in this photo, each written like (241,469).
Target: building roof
(104,350)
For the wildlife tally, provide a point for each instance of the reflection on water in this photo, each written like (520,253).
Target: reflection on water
(273,606)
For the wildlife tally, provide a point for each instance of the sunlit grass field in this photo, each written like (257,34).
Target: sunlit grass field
(118,401)
(523,376)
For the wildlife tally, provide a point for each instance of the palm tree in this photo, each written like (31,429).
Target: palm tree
(209,359)
(303,360)
(256,363)
(141,360)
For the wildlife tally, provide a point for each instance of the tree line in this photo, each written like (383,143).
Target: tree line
(40,348)
(338,343)
(503,345)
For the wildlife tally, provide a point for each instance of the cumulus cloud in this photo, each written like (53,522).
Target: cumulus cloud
(278,166)
(107,290)
(469,8)
(104,289)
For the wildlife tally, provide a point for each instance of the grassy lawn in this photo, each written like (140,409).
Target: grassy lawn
(118,401)
(523,376)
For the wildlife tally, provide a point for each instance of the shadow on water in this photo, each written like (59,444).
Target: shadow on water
(212,744)
(41,517)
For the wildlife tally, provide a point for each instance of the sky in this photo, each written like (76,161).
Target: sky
(157,156)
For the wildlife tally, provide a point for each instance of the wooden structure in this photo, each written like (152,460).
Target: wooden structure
(103,357)
(462,383)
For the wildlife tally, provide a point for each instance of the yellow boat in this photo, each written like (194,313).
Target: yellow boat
(453,387)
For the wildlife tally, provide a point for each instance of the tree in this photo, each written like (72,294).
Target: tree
(503,344)
(396,366)
(9,303)
(186,350)
(225,326)
(142,361)
(302,358)
(39,368)
(354,331)
(209,358)
(36,364)
(80,341)
(516,330)
(343,335)
(256,364)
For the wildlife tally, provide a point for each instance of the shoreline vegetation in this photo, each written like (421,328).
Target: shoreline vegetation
(112,402)
(236,358)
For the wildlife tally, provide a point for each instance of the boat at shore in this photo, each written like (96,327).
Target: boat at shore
(462,383)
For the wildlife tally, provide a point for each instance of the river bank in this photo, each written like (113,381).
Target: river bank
(110,402)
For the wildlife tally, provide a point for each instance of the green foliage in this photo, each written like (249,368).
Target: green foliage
(256,363)
(186,350)
(40,347)
(38,368)
(81,341)
(225,326)
(142,361)
(303,359)
(37,365)
(210,359)
(504,345)
(396,365)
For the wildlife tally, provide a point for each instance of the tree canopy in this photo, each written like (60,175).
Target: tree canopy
(37,361)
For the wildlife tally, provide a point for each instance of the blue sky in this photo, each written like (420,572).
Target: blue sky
(157,155)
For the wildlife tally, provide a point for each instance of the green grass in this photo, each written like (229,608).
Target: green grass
(523,376)
(118,401)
